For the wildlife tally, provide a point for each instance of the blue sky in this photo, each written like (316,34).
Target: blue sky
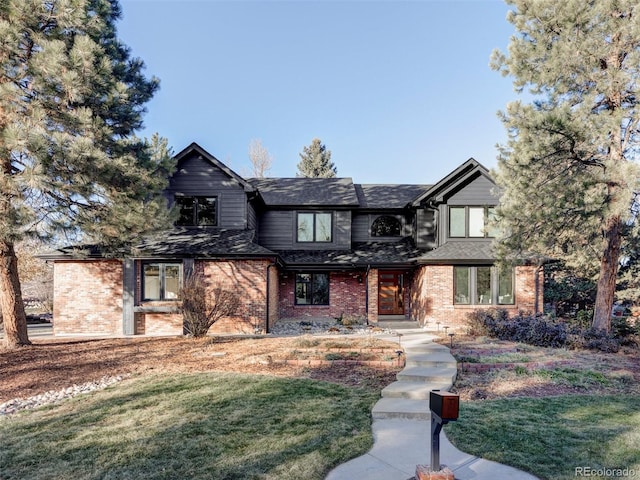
(400,92)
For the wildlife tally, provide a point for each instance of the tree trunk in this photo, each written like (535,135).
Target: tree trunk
(609,263)
(11,304)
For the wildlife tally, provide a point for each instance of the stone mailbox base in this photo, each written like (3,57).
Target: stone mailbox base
(424,472)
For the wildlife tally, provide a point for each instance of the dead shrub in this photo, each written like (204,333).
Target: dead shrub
(202,306)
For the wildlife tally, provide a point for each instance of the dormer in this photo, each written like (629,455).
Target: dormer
(459,206)
(207,193)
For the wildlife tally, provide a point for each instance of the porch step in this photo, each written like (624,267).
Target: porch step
(436,359)
(404,408)
(428,374)
(397,324)
(414,390)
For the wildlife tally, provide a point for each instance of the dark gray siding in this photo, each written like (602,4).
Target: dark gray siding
(196,176)
(278,231)
(252,217)
(426,228)
(478,192)
(361,226)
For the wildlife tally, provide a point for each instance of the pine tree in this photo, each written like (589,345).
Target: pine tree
(569,170)
(315,161)
(71,99)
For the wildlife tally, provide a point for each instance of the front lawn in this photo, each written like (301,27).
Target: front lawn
(556,413)
(197,426)
(552,437)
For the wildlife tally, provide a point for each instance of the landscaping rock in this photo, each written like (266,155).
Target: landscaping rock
(55,396)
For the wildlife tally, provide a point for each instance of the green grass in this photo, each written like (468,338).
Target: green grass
(201,426)
(550,437)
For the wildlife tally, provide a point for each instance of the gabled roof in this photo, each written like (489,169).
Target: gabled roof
(377,196)
(466,172)
(197,149)
(313,192)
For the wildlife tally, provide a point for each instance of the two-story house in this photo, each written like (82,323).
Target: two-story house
(300,248)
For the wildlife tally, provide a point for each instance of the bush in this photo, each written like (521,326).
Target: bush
(480,322)
(201,307)
(548,332)
(596,339)
(624,330)
(534,330)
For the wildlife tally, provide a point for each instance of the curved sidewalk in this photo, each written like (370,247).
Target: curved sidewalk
(402,423)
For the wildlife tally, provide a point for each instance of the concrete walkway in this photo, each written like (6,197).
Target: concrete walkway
(402,423)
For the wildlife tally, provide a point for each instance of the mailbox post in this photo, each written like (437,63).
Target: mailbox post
(444,408)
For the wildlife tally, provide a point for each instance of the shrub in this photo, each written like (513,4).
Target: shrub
(596,339)
(482,322)
(624,331)
(545,331)
(201,306)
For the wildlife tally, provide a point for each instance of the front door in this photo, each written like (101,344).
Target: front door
(390,293)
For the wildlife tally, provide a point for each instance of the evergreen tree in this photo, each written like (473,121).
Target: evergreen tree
(71,99)
(569,170)
(315,161)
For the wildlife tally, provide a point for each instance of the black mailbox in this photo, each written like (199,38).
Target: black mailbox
(444,408)
(445,405)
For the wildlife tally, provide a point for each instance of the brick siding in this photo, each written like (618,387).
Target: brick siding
(347,296)
(87,297)
(432,295)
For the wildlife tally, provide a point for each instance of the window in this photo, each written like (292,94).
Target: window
(197,211)
(471,222)
(314,227)
(457,224)
(386,226)
(312,289)
(161,281)
(483,286)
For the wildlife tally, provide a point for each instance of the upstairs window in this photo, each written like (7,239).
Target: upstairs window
(386,226)
(314,227)
(161,281)
(471,222)
(197,211)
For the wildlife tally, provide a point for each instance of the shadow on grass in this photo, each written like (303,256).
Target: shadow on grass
(551,437)
(213,426)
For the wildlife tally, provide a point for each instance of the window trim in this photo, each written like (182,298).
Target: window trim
(313,227)
(472,286)
(161,278)
(488,213)
(196,210)
(311,283)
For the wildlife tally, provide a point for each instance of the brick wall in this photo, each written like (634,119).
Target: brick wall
(87,297)
(249,279)
(372,285)
(274,295)
(432,295)
(347,296)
